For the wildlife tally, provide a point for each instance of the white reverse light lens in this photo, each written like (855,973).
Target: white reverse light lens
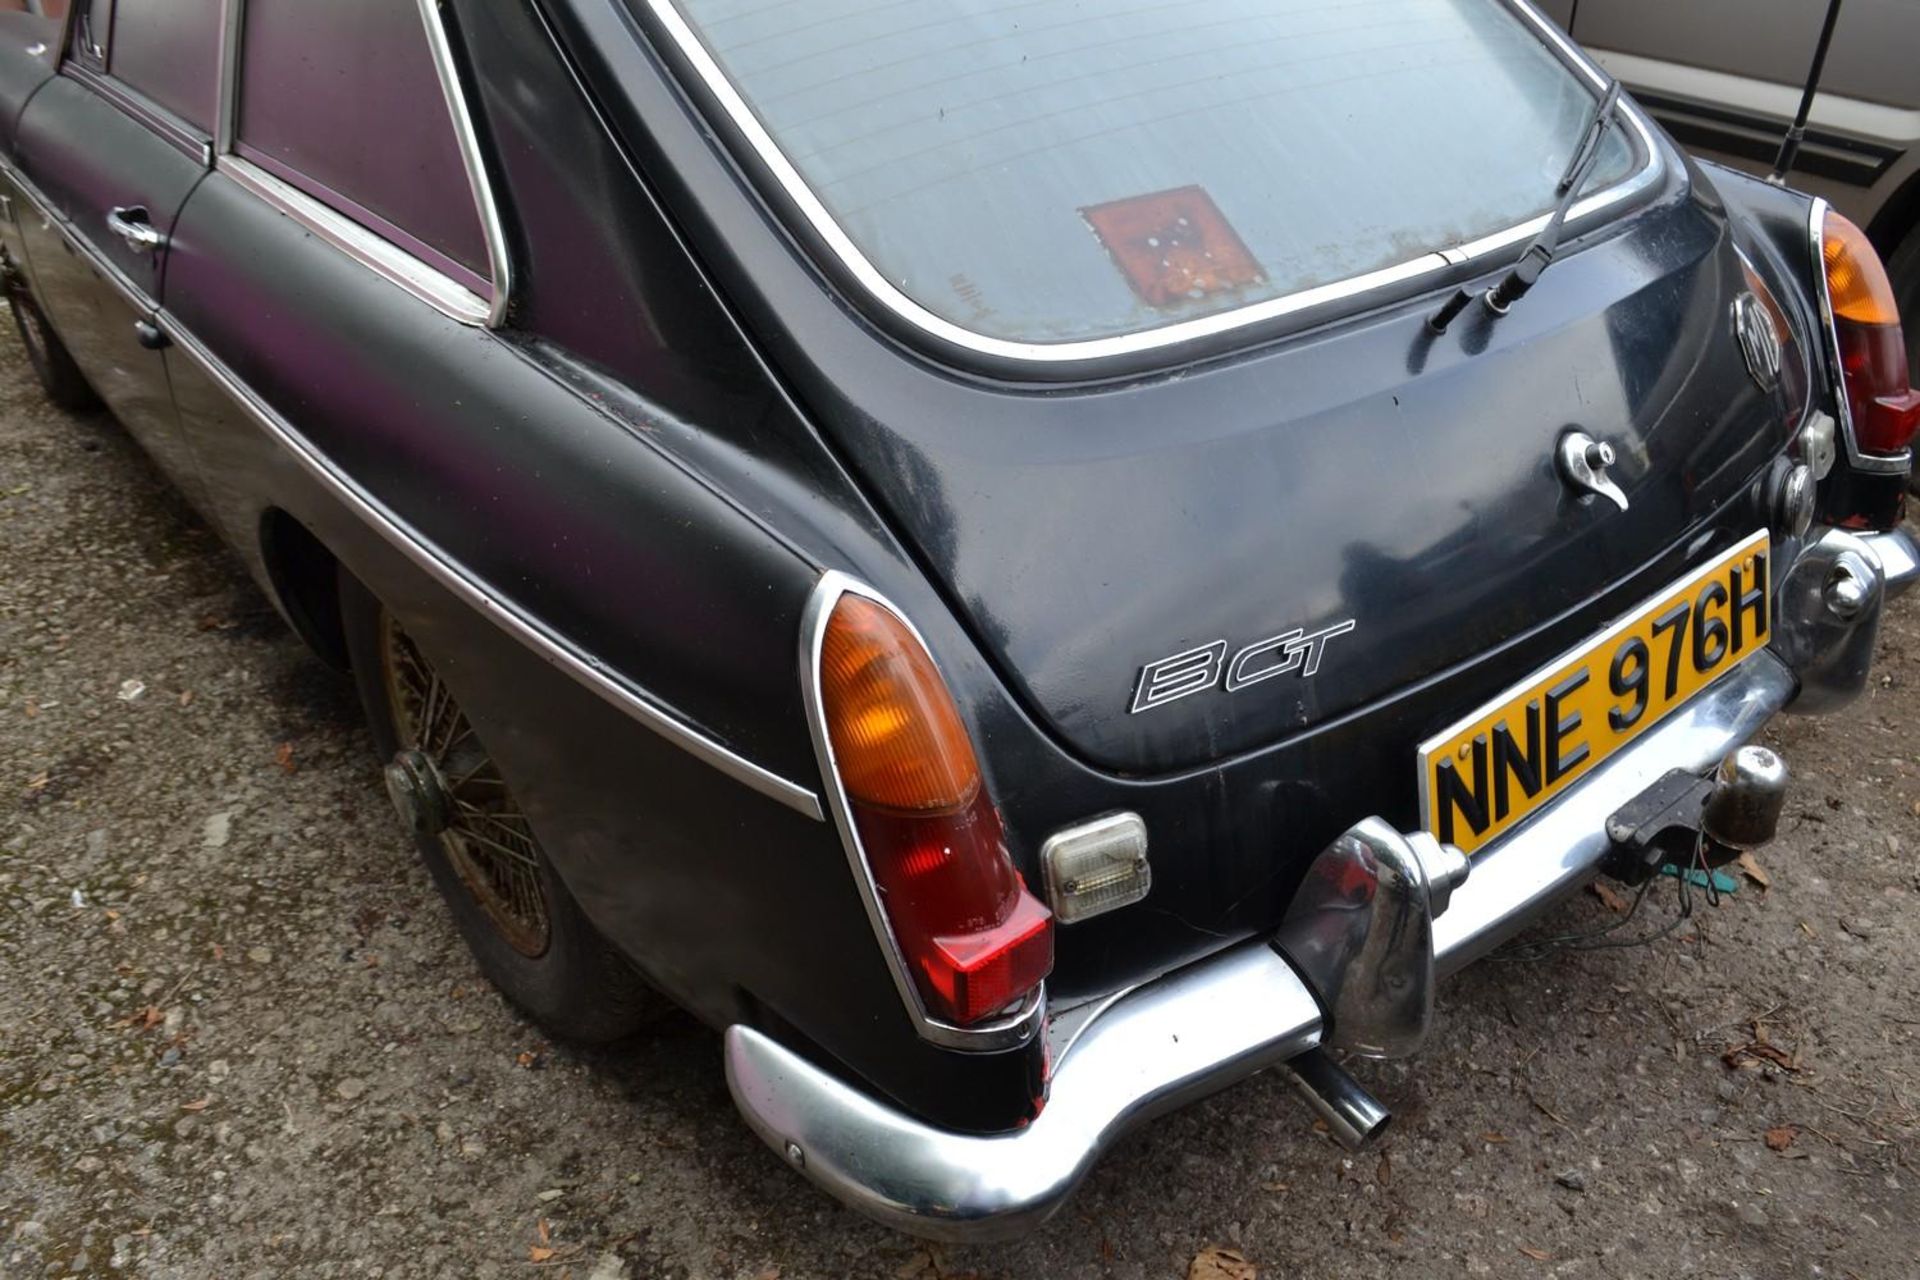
(1096,866)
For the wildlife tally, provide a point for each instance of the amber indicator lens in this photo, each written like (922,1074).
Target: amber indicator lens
(1883,409)
(897,737)
(1856,282)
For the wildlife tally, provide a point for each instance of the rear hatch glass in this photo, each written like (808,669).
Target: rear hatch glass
(1057,171)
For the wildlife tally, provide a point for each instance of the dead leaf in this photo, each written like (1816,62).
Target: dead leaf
(538,1253)
(1215,1263)
(1384,1173)
(1757,1051)
(32,710)
(1493,1137)
(1603,891)
(199,1105)
(1276,1186)
(112,915)
(283,756)
(1780,1137)
(186,697)
(544,1231)
(1538,1255)
(524,1058)
(1752,870)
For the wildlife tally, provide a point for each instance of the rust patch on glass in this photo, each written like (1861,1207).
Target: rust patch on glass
(1174,246)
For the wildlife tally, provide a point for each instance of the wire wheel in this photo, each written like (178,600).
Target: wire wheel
(446,786)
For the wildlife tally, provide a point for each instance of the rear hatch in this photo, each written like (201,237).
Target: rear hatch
(1405,506)
(1354,507)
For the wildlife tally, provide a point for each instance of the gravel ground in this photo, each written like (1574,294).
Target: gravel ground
(238,1036)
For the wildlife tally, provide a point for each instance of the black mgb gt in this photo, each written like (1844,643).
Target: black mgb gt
(1024,560)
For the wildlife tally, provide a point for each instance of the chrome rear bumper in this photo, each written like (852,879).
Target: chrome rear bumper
(1206,1026)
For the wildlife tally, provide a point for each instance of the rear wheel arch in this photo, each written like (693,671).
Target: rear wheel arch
(305,577)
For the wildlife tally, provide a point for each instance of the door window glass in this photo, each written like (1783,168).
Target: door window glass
(343,100)
(169,50)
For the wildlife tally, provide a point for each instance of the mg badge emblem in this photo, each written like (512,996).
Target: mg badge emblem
(1759,340)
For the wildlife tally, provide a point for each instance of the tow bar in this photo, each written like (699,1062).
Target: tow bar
(1686,819)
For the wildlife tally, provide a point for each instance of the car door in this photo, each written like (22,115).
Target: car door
(113,145)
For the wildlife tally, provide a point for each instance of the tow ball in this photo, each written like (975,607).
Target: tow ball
(1686,819)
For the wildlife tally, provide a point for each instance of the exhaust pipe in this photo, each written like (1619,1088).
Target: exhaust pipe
(1354,1116)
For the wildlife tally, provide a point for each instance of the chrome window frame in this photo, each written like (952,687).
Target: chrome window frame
(1877,463)
(854,261)
(391,261)
(170,128)
(1012,1030)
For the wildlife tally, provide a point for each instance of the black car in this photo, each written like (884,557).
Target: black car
(1024,560)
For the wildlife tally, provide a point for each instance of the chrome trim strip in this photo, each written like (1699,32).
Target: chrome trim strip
(1016,1028)
(442,292)
(586,669)
(1898,463)
(1157,1048)
(875,282)
(499,263)
(155,118)
(227,110)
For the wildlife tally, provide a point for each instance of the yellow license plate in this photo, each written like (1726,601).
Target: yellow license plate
(1484,775)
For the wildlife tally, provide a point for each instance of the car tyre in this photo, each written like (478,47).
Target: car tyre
(60,378)
(525,929)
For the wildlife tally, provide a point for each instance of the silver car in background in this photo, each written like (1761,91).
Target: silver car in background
(1724,77)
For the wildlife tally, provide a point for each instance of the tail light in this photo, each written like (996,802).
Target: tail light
(1881,410)
(971,937)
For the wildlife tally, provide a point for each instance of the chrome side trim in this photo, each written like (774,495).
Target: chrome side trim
(1016,1028)
(500,265)
(227,109)
(383,257)
(1898,463)
(1159,1047)
(586,669)
(870,278)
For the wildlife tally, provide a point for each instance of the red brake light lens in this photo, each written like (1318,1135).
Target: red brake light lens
(974,939)
(1884,409)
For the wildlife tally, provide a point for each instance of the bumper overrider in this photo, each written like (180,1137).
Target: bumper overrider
(1354,971)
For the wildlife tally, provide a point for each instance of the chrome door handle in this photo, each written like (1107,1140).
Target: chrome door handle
(131,224)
